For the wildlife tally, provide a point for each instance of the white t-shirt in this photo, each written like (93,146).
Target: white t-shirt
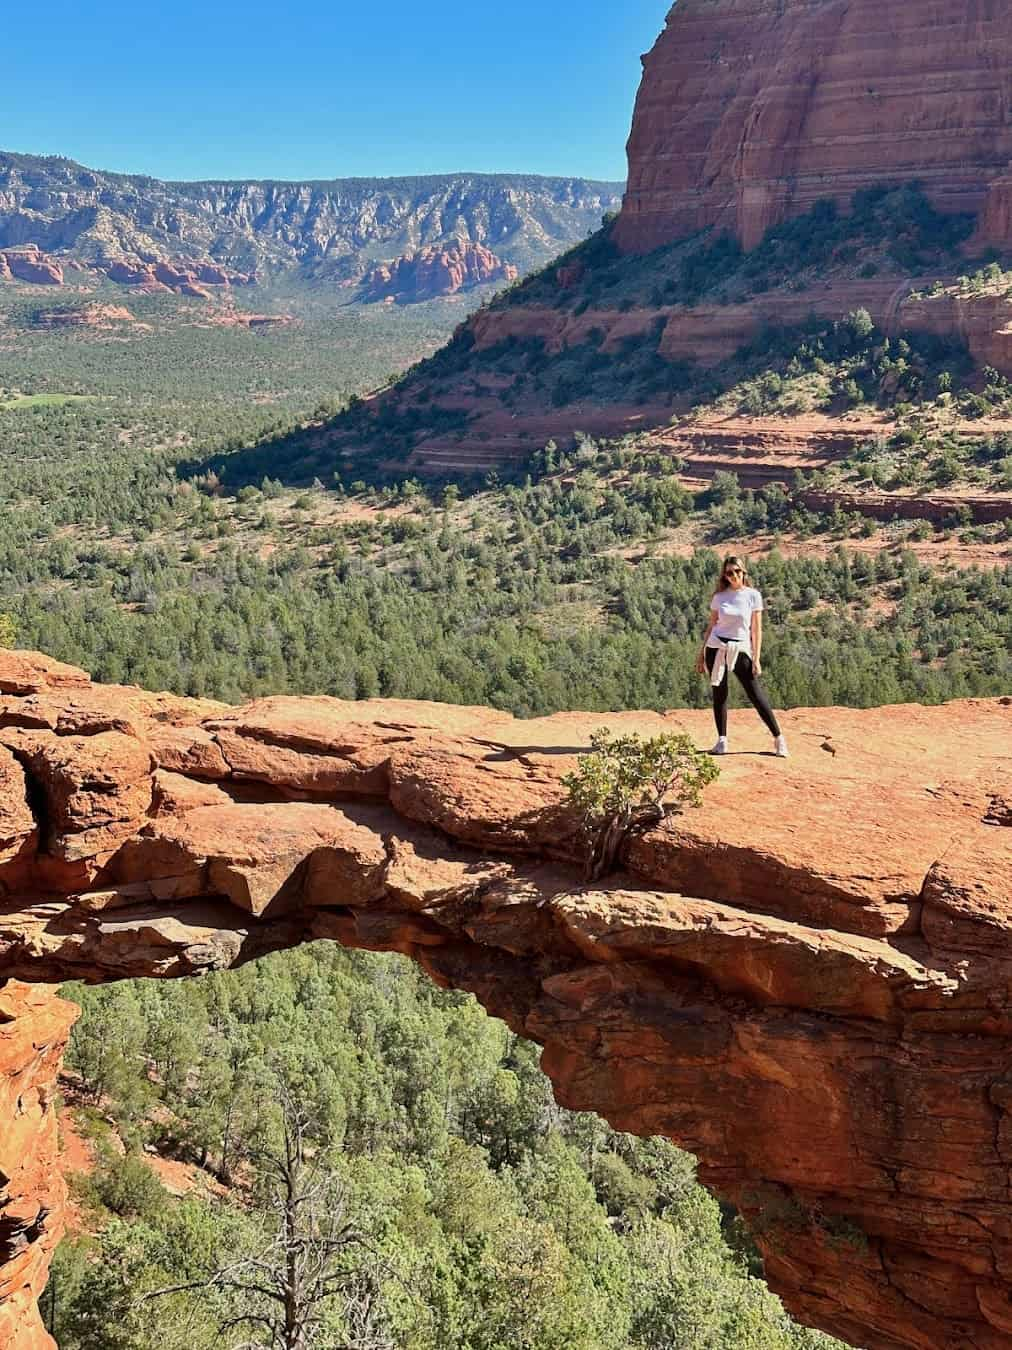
(734,610)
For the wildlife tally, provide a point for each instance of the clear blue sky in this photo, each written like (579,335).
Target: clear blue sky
(318,89)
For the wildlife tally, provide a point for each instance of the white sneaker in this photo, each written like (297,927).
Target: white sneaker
(780,746)
(721,747)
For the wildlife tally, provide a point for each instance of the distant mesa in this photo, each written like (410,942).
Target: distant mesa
(435,271)
(181,276)
(84,316)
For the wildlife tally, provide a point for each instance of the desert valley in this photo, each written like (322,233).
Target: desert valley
(342,519)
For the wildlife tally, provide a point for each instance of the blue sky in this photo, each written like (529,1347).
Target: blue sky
(325,90)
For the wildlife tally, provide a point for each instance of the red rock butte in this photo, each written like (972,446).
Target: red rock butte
(807,981)
(750,111)
(435,271)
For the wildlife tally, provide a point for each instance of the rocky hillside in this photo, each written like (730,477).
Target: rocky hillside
(792,162)
(821,1014)
(326,232)
(748,114)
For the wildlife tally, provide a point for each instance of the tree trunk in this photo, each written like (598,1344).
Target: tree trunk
(611,836)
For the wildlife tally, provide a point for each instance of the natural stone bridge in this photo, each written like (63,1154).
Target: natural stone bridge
(807,981)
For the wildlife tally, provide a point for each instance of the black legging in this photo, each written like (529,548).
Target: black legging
(749,681)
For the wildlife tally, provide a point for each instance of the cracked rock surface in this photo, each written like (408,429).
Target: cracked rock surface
(807,981)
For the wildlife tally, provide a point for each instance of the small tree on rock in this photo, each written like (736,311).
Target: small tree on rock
(627,784)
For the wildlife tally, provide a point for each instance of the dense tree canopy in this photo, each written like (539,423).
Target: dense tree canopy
(493,1219)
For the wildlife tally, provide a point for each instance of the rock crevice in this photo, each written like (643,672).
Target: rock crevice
(807,981)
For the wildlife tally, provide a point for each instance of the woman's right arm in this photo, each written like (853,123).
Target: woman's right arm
(701,658)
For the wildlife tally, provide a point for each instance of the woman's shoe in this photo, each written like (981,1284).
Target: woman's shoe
(780,747)
(721,747)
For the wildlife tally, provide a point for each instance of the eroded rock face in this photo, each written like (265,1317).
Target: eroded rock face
(34,1027)
(84,316)
(183,276)
(749,111)
(32,265)
(808,981)
(331,231)
(711,333)
(432,272)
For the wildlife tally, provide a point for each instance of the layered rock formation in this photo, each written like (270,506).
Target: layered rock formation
(183,276)
(707,333)
(434,272)
(751,110)
(34,1027)
(329,231)
(179,275)
(84,316)
(30,264)
(808,981)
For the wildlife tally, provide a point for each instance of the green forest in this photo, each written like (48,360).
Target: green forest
(522,595)
(408,1148)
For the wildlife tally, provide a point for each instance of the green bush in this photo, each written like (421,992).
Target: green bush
(123,1185)
(627,783)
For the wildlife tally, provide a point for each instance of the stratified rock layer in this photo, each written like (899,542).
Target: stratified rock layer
(433,272)
(808,981)
(30,264)
(332,231)
(751,110)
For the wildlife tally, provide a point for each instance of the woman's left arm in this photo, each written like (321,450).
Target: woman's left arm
(757,640)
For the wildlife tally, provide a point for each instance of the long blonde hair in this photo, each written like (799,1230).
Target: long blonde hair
(732,560)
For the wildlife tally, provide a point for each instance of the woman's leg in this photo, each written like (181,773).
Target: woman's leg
(719,692)
(757,695)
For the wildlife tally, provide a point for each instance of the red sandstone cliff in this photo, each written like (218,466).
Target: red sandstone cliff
(184,276)
(434,271)
(34,1026)
(806,982)
(751,110)
(710,333)
(30,264)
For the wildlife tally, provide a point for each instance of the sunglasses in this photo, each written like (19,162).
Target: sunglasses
(734,572)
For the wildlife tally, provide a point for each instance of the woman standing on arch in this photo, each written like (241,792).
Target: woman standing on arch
(733,641)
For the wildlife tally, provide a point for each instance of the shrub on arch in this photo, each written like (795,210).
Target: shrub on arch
(627,783)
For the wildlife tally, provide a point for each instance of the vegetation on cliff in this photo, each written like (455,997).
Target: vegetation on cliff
(888,231)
